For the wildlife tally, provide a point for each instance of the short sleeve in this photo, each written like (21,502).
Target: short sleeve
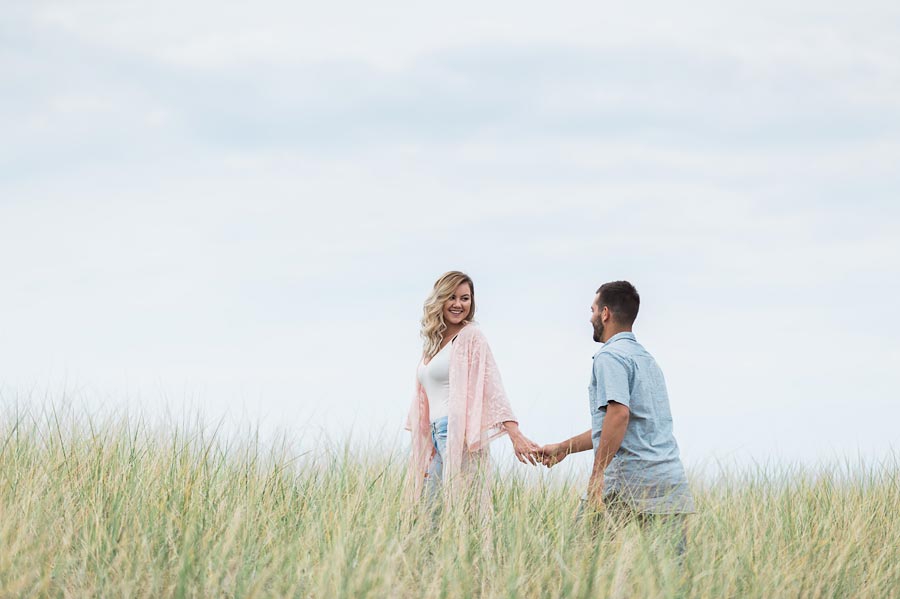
(613,376)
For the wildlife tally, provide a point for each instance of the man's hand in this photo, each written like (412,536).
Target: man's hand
(595,493)
(552,454)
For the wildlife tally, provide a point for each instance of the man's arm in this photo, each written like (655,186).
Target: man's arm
(614,424)
(554,453)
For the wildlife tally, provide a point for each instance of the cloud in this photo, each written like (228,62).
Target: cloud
(89,89)
(214,199)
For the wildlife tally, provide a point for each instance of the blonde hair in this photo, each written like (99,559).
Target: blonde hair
(433,325)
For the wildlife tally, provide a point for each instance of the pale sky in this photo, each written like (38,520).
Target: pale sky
(242,209)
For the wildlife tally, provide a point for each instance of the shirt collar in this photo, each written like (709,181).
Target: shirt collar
(618,336)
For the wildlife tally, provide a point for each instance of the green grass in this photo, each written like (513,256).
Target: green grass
(115,508)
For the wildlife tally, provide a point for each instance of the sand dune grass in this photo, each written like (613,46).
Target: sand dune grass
(114,508)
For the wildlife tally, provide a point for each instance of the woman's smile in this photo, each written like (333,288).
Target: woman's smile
(457,307)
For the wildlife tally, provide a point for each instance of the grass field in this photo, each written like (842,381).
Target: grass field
(114,508)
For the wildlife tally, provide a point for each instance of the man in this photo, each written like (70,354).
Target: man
(637,470)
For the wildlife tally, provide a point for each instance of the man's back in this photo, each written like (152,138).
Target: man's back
(647,471)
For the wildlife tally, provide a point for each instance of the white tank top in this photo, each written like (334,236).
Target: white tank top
(435,378)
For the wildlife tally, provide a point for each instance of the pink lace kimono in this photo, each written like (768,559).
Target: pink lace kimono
(478,407)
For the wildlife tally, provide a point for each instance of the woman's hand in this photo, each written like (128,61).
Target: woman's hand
(525,448)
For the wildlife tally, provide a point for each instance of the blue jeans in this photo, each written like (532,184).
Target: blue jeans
(435,474)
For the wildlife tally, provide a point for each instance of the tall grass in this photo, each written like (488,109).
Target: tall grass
(115,508)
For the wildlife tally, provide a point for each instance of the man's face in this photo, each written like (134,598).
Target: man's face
(597,318)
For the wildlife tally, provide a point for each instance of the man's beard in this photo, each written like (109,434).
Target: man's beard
(598,332)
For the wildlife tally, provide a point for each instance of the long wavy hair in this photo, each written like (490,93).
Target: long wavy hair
(433,325)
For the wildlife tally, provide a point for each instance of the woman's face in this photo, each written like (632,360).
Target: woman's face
(457,308)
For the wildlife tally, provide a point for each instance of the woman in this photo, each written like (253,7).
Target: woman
(460,404)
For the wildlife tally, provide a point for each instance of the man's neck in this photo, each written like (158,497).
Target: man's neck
(611,332)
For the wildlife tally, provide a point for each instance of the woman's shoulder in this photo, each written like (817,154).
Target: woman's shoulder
(471,332)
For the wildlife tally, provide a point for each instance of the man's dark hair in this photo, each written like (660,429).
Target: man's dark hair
(622,299)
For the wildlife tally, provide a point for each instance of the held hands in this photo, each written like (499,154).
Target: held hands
(552,454)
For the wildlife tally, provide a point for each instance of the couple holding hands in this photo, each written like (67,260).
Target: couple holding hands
(460,406)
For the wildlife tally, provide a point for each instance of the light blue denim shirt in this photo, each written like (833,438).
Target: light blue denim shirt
(647,471)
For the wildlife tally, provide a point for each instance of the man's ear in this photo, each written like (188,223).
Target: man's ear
(605,314)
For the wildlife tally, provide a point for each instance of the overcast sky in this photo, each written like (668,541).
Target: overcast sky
(242,209)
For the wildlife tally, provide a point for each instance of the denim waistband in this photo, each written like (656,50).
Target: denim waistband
(439,425)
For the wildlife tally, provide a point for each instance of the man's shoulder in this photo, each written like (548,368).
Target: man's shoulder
(628,347)
(610,354)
